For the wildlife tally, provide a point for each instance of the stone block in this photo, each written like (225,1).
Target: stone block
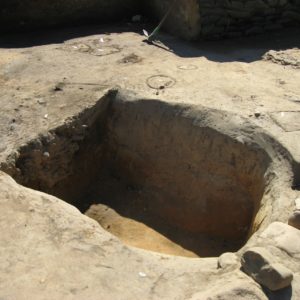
(228,261)
(259,263)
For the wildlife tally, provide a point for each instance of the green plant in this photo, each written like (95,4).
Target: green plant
(156,29)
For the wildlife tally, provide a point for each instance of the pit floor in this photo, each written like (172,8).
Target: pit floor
(125,211)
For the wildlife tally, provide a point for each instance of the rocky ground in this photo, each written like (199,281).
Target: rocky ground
(50,250)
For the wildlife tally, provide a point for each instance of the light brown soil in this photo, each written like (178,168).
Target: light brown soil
(134,233)
(45,81)
(229,75)
(126,212)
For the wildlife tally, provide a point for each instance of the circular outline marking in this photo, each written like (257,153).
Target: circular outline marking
(151,85)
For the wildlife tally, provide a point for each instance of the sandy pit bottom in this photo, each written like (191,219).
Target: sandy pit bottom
(125,212)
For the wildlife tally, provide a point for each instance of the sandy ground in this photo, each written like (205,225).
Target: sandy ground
(47,77)
(126,213)
(229,75)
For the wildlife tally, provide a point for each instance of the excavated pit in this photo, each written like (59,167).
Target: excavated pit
(169,178)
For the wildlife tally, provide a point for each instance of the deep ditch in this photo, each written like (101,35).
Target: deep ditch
(166,177)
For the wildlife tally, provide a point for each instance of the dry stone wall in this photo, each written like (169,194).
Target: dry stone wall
(237,17)
(190,19)
(28,14)
(194,19)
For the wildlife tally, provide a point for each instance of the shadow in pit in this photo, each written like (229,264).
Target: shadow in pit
(296,181)
(112,197)
(245,49)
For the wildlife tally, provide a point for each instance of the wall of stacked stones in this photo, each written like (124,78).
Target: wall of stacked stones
(191,19)
(233,18)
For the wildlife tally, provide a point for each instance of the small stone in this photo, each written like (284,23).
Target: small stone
(297,203)
(228,261)
(58,87)
(257,114)
(142,274)
(12,127)
(46,154)
(259,263)
(41,101)
(294,219)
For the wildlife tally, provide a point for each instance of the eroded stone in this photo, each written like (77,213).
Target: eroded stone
(283,236)
(259,263)
(228,261)
(294,219)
